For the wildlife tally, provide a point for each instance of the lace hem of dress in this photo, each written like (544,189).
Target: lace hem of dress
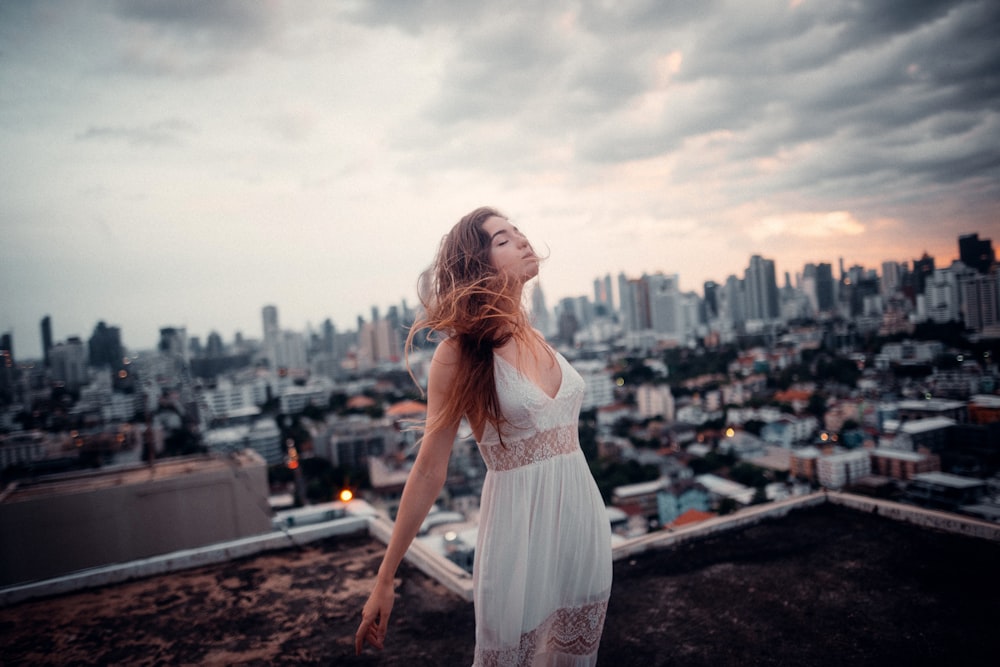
(539,447)
(568,631)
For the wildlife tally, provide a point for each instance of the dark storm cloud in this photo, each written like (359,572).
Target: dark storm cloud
(190,38)
(870,80)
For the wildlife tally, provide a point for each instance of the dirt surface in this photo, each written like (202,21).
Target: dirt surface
(823,586)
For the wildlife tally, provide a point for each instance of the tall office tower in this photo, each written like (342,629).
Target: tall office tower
(825,294)
(603,299)
(892,278)
(624,301)
(761,290)
(711,289)
(173,342)
(540,312)
(272,336)
(271,328)
(942,297)
(567,322)
(389,344)
(665,307)
(980,302)
(69,363)
(291,351)
(214,349)
(329,336)
(732,304)
(47,340)
(6,369)
(976,253)
(922,270)
(634,297)
(808,286)
(105,347)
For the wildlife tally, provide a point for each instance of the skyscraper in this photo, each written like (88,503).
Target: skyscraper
(711,299)
(923,268)
(761,290)
(976,253)
(540,312)
(47,340)
(69,363)
(980,302)
(824,287)
(269,314)
(105,347)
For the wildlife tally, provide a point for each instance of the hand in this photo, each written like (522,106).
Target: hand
(375,617)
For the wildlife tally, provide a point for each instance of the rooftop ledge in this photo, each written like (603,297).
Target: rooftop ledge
(457,580)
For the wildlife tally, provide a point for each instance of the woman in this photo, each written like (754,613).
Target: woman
(542,568)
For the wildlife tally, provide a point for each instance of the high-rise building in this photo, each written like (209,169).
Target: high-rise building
(711,289)
(567,321)
(105,347)
(979,298)
(942,297)
(214,349)
(825,288)
(603,298)
(269,315)
(761,290)
(6,368)
(7,344)
(732,304)
(69,363)
(922,270)
(173,342)
(976,253)
(540,312)
(47,340)
(665,308)
(892,278)
(634,296)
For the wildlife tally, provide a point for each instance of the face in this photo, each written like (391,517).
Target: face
(510,251)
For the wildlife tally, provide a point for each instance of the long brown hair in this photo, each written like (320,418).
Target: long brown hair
(464,297)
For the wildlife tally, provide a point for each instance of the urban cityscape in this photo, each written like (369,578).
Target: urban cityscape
(881,383)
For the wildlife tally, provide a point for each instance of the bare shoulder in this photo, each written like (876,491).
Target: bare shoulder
(444,364)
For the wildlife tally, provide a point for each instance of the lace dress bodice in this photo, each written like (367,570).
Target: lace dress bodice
(538,427)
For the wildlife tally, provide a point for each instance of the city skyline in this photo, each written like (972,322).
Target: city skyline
(265,314)
(184,164)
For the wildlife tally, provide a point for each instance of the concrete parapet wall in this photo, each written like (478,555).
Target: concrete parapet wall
(746,517)
(946,521)
(180,560)
(448,574)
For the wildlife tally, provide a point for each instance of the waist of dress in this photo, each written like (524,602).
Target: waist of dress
(538,447)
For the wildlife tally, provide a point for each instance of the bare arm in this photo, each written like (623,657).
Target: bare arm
(421,490)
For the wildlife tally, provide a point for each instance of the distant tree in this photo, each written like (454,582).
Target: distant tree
(748,475)
(754,427)
(727,506)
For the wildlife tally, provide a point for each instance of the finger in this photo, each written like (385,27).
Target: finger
(376,636)
(359,638)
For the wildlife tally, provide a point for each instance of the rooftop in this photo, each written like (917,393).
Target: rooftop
(821,585)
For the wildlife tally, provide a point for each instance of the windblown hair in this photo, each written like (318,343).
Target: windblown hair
(466,298)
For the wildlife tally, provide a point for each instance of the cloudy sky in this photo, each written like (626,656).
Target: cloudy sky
(184,163)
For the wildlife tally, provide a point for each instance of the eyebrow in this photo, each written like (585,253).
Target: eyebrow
(501,231)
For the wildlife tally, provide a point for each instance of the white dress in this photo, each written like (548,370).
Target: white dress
(542,569)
